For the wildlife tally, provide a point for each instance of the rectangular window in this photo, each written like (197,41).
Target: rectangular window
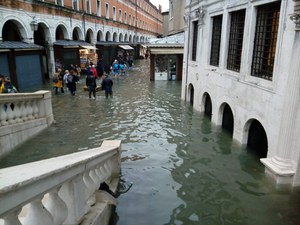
(216,40)
(60,2)
(129,19)
(98,8)
(114,13)
(75,4)
(125,17)
(106,11)
(195,37)
(88,6)
(120,15)
(267,22)
(236,40)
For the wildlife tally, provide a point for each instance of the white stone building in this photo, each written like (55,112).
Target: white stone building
(241,68)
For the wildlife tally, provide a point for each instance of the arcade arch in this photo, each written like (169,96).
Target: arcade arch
(207,105)
(257,140)
(61,32)
(191,94)
(227,118)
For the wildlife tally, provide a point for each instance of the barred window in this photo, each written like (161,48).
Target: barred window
(236,40)
(216,40)
(195,37)
(267,22)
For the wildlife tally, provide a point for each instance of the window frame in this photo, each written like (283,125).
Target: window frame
(216,40)
(264,53)
(236,40)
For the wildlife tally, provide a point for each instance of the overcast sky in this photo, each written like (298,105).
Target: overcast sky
(164,4)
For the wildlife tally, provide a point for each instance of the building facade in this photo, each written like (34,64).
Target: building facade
(241,69)
(42,35)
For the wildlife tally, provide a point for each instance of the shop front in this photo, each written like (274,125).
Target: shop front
(77,53)
(166,57)
(22,63)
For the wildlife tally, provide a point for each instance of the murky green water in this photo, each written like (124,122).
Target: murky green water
(183,169)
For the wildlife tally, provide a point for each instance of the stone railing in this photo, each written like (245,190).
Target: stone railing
(23,115)
(61,190)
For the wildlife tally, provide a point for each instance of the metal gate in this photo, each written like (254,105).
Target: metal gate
(29,72)
(4,68)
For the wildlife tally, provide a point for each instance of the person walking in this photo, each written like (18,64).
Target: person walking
(65,79)
(58,82)
(107,69)
(107,84)
(91,84)
(116,67)
(72,79)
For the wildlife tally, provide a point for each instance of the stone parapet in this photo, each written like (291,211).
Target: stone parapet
(23,115)
(61,190)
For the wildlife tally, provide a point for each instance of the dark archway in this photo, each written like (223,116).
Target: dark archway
(59,33)
(208,106)
(227,121)
(75,35)
(257,139)
(191,88)
(39,36)
(11,32)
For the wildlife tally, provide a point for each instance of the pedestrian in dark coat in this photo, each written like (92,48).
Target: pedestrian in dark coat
(72,79)
(91,84)
(107,69)
(107,84)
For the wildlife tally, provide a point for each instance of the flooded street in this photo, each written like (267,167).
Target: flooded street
(177,167)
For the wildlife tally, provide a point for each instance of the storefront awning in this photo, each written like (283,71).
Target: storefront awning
(88,47)
(74,44)
(126,47)
(166,51)
(18,45)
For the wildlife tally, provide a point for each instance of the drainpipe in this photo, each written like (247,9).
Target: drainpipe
(83,17)
(187,17)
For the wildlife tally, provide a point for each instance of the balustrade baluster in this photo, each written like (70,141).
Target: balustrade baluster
(12,218)
(17,110)
(38,214)
(57,207)
(91,188)
(95,178)
(100,175)
(104,172)
(3,115)
(25,111)
(35,109)
(74,194)
(30,110)
(10,114)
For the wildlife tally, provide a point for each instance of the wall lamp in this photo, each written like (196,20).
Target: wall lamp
(295,17)
(34,23)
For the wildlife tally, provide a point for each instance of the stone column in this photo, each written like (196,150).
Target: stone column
(51,60)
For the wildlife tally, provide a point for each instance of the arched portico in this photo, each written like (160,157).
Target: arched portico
(206,105)
(256,137)
(191,94)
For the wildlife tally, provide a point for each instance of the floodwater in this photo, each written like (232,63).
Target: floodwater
(177,167)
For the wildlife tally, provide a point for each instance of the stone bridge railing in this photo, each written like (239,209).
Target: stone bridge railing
(61,190)
(23,115)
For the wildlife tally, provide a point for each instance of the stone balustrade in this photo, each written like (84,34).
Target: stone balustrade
(60,190)
(23,115)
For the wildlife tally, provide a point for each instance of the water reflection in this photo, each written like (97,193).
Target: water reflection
(181,169)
